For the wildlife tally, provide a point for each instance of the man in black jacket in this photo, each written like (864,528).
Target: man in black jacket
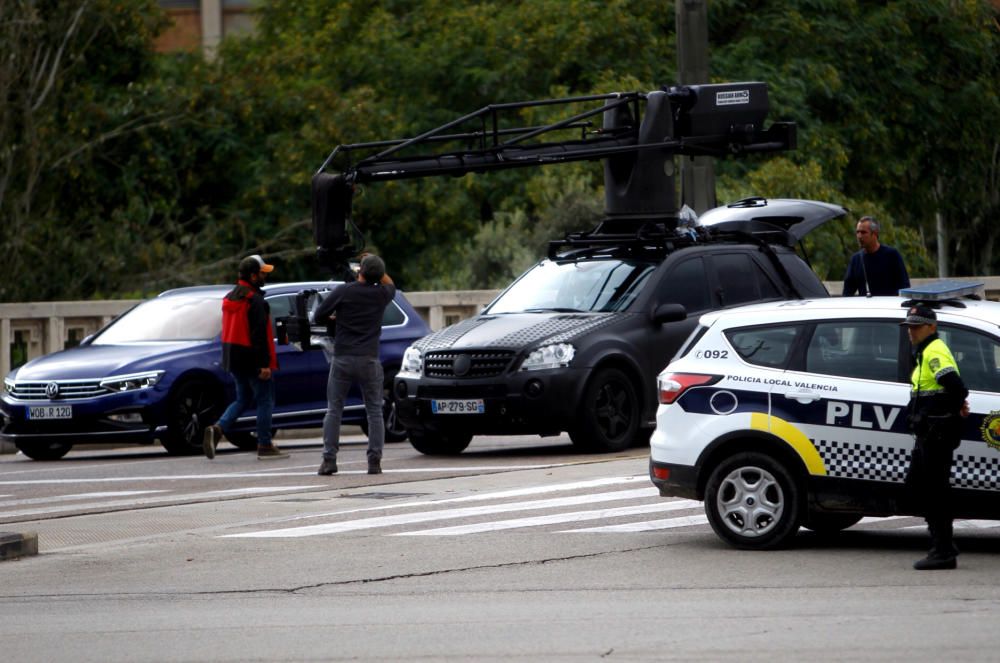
(877,269)
(248,353)
(357,309)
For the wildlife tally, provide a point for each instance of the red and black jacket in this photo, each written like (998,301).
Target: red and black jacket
(247,341)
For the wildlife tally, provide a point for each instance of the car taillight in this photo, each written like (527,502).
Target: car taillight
(670,386)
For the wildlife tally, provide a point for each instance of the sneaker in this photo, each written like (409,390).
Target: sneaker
(327,467)
(210,439)
(375,466)
(935,563)
(270,453)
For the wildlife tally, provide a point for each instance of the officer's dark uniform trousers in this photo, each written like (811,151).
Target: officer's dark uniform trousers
(936,399)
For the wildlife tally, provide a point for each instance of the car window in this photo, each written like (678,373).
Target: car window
(173,318)
(737,278)
(977,355)
(606,284)
(393,315)
(686,284)
(282,306)
(765,346)
(867,349)
(768,290)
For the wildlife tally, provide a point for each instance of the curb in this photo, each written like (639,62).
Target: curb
(16,544)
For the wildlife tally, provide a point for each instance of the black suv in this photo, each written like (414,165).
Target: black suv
(576,342)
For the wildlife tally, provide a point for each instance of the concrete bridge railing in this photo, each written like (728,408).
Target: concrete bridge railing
(33,329)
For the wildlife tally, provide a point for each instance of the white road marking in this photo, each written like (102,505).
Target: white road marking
(870,520)
(446,514)
(78,496)
(647,526)
(575,516)
(481,497)
(147,501)
(251,475)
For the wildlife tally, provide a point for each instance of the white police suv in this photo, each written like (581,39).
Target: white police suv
(794,414)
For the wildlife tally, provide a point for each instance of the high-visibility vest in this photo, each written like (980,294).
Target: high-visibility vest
(933,362)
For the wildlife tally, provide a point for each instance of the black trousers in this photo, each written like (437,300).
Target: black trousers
(928,484)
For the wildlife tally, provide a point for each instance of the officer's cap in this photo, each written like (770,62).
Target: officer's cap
(919,315)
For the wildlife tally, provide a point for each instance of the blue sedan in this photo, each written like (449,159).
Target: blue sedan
(154,374)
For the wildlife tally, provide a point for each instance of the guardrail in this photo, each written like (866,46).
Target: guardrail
(33,329)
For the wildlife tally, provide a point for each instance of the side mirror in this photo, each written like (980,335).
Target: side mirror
(297,328)
(668,313)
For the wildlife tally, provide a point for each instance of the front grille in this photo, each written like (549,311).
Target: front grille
(68,390)
(469,365)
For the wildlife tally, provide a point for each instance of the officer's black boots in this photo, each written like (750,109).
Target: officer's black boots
(943,554)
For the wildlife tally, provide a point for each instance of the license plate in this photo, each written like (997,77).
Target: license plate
(458,406)
(51,412)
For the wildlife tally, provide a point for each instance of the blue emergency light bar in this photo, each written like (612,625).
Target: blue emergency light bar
(942,290)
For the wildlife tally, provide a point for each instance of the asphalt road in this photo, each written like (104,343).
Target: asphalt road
(513,550)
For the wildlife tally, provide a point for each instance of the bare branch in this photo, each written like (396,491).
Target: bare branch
(54,69)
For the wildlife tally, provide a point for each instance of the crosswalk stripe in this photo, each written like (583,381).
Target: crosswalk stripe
(964,524)
(268,473)
(575,516)
(76,497)
(445,514)
(646,526)
(481,497)
(147,501)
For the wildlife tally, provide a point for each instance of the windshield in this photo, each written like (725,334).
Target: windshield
(589,285)
(177,318)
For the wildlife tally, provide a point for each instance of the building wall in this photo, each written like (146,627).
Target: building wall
(200,24)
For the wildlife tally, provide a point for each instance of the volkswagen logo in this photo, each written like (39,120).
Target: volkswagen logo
(52,390)
(462,365)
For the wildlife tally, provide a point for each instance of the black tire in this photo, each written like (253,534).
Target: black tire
(830,523)
(394,429)
(608,414)
(753,502)
(193,406)
(439,444)
(243,440)
(44,450)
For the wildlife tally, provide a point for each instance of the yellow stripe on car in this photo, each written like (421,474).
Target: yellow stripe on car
(795,438)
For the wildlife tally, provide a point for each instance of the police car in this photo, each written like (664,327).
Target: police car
(794,414)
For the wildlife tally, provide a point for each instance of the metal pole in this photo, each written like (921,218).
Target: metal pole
(698,173)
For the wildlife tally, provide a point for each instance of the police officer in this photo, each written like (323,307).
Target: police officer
(937,403)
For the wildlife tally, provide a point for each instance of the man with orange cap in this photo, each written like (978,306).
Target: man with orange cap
(248,354)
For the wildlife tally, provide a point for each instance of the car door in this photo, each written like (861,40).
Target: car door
(300,381)
(977,460)
(845,389)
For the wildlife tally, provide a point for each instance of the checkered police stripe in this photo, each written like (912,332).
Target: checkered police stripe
(867,461)
(863,461)
(976,472)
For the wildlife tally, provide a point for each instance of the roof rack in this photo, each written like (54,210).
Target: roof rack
(945,292)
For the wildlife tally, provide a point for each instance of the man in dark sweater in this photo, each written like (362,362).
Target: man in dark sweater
(356,308)
(877,269)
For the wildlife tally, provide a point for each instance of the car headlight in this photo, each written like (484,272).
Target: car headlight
(549,356)
(8,385)
(132,382)
(413,362)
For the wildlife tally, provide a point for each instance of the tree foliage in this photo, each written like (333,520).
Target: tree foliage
(123,170)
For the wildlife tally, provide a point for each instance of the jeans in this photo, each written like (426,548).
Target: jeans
(251,390)
(367,372)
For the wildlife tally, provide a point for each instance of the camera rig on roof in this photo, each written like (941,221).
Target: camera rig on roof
(640,134)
